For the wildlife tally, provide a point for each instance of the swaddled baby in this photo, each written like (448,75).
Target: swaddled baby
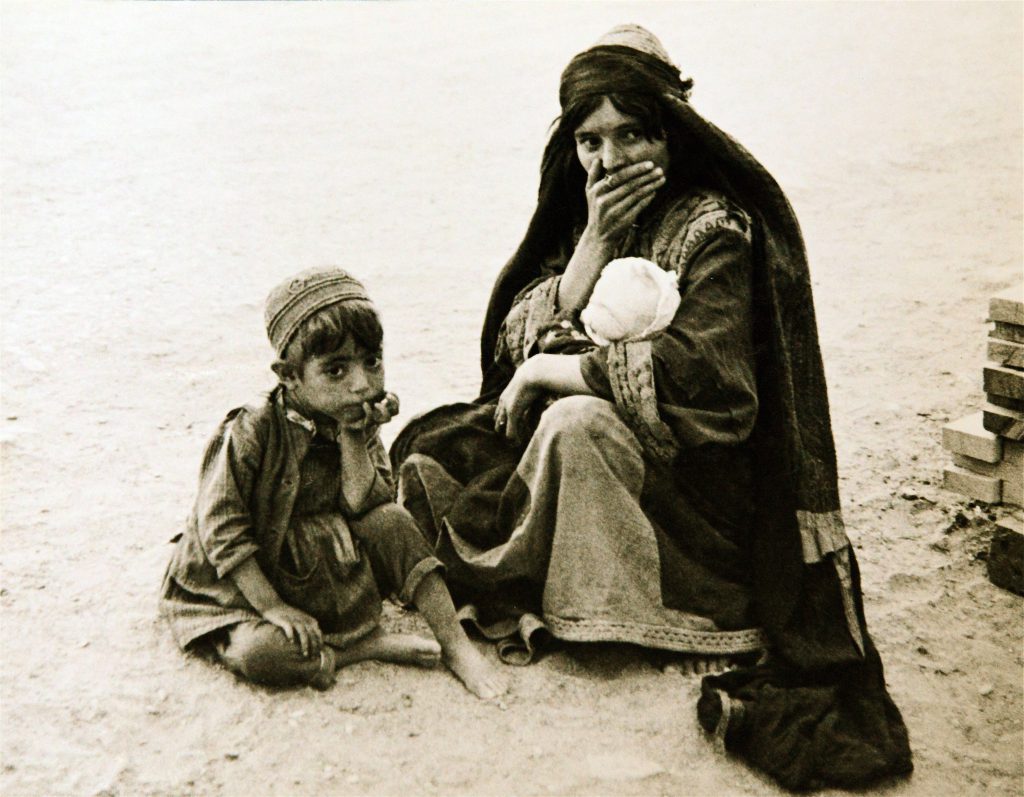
(632,299)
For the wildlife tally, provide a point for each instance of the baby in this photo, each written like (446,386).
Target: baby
(295,534)
(632,299)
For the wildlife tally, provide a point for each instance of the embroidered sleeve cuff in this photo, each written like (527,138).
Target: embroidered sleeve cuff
(631,374)
(532,313)
(594,367)
(541,313)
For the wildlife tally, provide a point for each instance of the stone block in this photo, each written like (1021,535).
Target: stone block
(973,485)
(1009,467)
(1006,353)
(1009,470)
(1013,492)
(1017,405)
(1006,555)
(968,436)
(1011,332)
(1005,423)
(1007,306)
(1004,381)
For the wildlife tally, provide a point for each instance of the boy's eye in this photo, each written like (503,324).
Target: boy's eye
(632,136)
(373,361)
(337,370)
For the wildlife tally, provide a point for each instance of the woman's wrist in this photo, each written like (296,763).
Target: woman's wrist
(596,246)
(557,373)
(590,256)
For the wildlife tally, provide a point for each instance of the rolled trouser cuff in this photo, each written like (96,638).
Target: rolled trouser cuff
(420,571)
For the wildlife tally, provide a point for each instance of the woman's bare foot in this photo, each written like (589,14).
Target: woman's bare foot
(700,665)
(397,648)
(473,669)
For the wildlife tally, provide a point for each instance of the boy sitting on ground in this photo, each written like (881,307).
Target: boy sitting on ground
(295,533)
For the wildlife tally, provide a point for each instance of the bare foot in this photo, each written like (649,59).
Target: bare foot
(475,672)
(700,665)
(397,648)
(409,649)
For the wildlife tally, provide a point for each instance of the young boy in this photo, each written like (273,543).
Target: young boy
(295,533)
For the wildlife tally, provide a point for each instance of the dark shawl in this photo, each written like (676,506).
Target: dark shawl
(817,713)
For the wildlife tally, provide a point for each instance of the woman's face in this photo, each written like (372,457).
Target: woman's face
(617,140)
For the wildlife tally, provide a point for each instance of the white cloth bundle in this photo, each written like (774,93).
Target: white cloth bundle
(632,299)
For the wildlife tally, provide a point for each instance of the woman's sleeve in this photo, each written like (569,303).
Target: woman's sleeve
(533,311)
(694,382)
(223,520)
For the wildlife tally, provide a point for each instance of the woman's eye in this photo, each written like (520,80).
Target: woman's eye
(589,144)
(632,136)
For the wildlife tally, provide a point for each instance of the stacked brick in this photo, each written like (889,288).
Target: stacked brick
(1006,555)
(988,446)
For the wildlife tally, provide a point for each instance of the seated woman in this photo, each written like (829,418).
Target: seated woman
(675,489)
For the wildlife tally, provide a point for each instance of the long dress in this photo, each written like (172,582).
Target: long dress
(627,516)
(733,477)
(693,505)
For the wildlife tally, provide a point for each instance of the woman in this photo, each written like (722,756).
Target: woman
(677,491)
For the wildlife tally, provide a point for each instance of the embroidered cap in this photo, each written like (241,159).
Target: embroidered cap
(302,295)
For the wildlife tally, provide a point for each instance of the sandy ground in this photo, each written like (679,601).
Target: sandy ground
(164,165)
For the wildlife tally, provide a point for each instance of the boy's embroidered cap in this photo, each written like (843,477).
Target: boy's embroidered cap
(302,295)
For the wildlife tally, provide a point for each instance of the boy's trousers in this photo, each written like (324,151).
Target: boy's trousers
(400,558)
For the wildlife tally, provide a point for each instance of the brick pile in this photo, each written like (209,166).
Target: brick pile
(988,446)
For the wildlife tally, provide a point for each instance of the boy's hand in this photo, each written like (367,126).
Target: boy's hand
(298,626)
(382,411)
(375,413)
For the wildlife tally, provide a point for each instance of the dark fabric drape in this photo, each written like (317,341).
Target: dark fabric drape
(817,713)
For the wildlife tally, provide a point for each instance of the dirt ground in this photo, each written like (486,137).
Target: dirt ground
(163,165)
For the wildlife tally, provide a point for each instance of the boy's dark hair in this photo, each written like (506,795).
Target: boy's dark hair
(328,329)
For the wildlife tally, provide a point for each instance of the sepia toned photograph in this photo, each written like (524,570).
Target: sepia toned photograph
(511,398)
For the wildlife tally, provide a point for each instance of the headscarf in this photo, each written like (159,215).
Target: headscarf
(805,579)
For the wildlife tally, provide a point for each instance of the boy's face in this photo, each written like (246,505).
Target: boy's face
(337,383)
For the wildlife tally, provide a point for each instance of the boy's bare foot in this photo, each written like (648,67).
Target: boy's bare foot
(475,672)
(409,649)
(397,648)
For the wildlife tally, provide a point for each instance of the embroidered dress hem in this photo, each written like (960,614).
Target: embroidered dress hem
(682,640)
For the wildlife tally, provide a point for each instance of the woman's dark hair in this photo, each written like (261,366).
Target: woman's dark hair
(564,175)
